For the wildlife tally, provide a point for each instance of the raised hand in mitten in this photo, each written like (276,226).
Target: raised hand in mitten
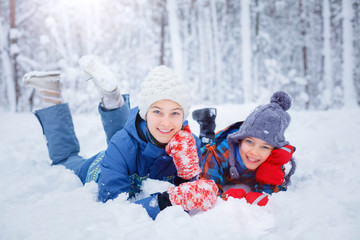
(260,199)
(182,148)
(200,194)
(270,172)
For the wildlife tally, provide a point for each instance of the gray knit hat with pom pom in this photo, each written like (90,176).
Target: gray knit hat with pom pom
(267,122)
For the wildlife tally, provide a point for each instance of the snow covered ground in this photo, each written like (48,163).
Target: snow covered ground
(38,201)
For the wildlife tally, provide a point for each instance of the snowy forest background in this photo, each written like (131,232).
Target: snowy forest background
(229,51)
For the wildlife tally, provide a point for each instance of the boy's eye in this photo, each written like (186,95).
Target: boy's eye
(249,141)
(267,148)
(175,113)
(156,112)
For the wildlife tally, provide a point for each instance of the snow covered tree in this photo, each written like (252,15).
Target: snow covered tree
(356,52)
(350,98)
(337,52)
(8,76)
(227,50)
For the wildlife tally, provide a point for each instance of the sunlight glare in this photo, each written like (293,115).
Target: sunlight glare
(80,3)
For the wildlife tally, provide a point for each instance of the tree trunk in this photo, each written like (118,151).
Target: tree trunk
(217,55)
(329,86)
(304,50)
(163,23)
(175,39)
(350,99)
(13,43)
(246,53)
(6,65)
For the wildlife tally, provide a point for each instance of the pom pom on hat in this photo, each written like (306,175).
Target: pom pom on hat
(162,83)
(283,99)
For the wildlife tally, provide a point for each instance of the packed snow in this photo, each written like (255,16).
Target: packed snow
(40,201)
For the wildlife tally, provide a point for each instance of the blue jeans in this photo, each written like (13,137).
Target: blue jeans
(62,143)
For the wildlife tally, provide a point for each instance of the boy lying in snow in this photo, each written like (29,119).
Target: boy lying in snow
(252,153)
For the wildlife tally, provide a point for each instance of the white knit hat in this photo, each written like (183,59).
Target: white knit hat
(163,83)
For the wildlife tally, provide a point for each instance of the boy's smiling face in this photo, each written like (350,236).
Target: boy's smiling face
(254,152)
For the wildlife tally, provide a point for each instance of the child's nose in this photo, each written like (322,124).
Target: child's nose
(165,121)
(254,151)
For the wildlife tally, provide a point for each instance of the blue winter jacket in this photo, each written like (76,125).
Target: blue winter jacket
(130,159)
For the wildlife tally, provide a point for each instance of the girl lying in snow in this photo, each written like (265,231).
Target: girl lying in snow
(250,154)
(137,138)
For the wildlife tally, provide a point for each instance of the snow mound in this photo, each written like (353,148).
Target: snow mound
(39,201)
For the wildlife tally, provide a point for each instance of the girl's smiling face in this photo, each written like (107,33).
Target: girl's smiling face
(164,118)
(254,152)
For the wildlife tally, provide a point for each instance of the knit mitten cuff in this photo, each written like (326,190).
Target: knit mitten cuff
(164,200)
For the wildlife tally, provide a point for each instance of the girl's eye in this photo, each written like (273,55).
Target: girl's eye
(265,147)
(156,112)
(249,141)
(175,113)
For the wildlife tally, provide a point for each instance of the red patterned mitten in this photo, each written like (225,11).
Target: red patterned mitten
(182,148)
(270,172)
(200,194)
(260,199)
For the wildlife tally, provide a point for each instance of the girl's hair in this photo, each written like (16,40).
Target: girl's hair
(287,181)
